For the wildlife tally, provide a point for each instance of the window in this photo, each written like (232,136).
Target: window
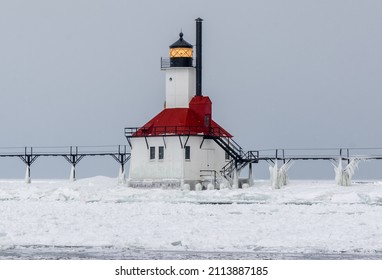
(207,120)
(161,152)
(187,152)
(152,152)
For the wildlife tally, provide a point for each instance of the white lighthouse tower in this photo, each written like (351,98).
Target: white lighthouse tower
(182,145)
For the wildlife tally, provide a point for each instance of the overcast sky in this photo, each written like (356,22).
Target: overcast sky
(281,74)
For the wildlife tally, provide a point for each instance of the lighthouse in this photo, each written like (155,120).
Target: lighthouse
(182,145)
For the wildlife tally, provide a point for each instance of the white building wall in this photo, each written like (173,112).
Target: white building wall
(142,167)
(180,86)
(174,169)
(209,157)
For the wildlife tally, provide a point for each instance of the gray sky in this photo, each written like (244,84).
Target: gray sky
(281,74)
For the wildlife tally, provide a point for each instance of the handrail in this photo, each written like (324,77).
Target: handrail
(175,130)
(250,156)
(63,150)
(165,62)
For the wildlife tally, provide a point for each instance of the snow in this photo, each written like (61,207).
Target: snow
(302,217)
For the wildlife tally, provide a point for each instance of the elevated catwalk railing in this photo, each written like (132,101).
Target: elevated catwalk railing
(330,154)
(72,154)
(344,160)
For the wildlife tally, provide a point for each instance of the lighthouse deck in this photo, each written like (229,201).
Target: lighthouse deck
(172,130)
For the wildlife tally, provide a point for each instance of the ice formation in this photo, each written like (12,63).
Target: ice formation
(279,176)
(210,186)
(251,182)
(235,183)
(121,177)
(344,175)
(28,175)
(72,177)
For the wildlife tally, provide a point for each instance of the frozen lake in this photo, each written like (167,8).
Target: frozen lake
(39,252)
(97,219)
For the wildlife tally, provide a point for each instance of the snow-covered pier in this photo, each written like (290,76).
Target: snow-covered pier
(72,154)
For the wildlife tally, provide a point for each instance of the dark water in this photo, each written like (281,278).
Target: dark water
(40,252)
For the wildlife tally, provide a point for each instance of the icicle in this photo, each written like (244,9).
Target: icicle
(273,172)
(28,175)
(251,182)
(352,166)
(235,184)
(344,175)
(72,177)
(121,177)
(283,173)
(279,176)
(338,172)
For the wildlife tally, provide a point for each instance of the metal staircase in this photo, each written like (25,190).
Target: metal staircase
(239,158)
(232,165)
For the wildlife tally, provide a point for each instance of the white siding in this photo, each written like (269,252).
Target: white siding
(174,166)
(180,86)
(141,167)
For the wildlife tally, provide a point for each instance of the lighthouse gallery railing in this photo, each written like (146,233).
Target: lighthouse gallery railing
(175,130)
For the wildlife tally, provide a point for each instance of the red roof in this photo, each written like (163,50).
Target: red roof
(195,120)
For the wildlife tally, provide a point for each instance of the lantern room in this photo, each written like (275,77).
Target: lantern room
(181,53)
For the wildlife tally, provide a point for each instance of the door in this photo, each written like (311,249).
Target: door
(208,159)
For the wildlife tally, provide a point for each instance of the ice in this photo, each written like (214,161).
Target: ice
(210,186)
(198,187)
(279,176)
(344,175)
(28,175)
(235,183)
(72,177)
(121,176)
(302,217)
